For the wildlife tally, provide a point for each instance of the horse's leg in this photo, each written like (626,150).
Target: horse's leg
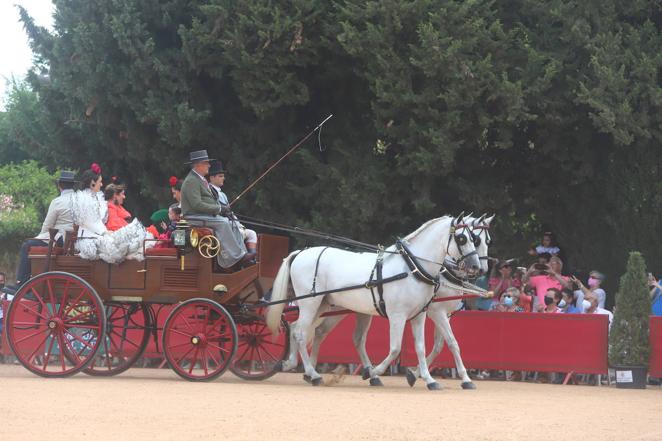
(360,337)
(418,331)
(307,316)
(447,331)
(321,332)
(435,313)
(292,360)
(396,329)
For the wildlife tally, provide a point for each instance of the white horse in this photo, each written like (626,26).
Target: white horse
(325,269)
(437,311)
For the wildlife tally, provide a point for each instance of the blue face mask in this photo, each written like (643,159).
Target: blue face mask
(508,301)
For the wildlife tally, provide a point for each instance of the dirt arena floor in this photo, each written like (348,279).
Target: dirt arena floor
(150,404)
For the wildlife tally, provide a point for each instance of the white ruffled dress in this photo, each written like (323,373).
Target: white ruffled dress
(89,211)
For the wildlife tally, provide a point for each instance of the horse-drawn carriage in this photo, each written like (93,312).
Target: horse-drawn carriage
(91,316)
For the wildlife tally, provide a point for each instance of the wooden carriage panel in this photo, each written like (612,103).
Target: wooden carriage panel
(127,275)
(272,251)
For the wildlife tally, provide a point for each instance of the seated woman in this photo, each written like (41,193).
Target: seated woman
(95,241)
(118,216)
(176,189)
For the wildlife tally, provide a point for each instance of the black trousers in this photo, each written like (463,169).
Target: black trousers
(23,271)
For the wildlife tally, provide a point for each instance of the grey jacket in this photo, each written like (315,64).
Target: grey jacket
(197,198)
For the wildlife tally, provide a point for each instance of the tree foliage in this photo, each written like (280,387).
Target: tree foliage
(628,339)
(545,112)
(26,190)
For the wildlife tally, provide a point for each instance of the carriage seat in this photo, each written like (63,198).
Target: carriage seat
(204,231)
(43,251)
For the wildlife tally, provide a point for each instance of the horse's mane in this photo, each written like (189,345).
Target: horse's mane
(411,236)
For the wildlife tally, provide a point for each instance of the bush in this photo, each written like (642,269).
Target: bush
(26,190)
(628,339)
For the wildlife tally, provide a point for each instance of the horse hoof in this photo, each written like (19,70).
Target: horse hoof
(434,386)
(468,385)
(411,378)
(307,378)
(316,381)
(376,382)
(365,372)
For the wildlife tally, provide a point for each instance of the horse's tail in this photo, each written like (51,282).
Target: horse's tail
(279,292)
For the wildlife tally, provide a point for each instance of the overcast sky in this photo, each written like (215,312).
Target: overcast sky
(15,56)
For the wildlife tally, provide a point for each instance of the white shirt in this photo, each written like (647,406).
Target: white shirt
(58,216)
(599,310)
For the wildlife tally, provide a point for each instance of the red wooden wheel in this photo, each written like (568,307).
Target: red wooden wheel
(55,324)
(199,339)
(259,353)
(127,334)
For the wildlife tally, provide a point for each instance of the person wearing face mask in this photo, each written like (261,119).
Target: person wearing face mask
(595,279)
(543,277)
(552,299)
(508,302)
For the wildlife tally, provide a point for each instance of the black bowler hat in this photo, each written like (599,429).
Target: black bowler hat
(67,176)
(216,168)
(198,156)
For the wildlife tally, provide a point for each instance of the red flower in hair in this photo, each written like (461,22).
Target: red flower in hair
(114,179)
(95,168)
(172,181)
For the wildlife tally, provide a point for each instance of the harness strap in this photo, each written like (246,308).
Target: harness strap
(378,283)
(368,285)
(415,267)
(317,267)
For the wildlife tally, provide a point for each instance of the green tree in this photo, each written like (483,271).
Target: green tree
(628,339)
(545,112)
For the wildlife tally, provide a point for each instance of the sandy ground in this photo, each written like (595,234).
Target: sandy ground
(150,404)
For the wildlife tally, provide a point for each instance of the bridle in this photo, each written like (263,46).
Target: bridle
(458,233)
(476,238)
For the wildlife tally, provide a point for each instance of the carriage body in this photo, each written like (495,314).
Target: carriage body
(89,315)
(159,278)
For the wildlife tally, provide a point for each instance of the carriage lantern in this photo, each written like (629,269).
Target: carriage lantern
(182,240)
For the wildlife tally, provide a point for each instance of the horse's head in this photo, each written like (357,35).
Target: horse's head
(480,235)
(461,247)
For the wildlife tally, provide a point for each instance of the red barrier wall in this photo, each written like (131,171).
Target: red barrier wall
(655,363)
(492,340)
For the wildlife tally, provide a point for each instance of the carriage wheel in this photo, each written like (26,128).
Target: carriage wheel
(55,324)
(127,334)
(259,353)
(199,339)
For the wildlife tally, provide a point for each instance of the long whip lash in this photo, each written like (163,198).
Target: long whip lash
(290,151)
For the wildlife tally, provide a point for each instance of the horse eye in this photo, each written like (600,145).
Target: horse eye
(461,239)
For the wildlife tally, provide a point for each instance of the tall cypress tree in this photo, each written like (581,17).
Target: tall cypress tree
(628,339)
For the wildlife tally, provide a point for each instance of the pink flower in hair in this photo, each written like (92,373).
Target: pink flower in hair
(95,168)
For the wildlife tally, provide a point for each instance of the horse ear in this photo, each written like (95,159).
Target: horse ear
(482,218)
(489,219)
(460,217)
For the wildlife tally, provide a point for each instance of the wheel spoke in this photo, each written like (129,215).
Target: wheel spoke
(65,294)
(30,336)
(48,353)
(195,358)
(177,331)
(79,339)
(29,359)
(218,364)
(80,316)
(36,313)
(72,305)
(218,347)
